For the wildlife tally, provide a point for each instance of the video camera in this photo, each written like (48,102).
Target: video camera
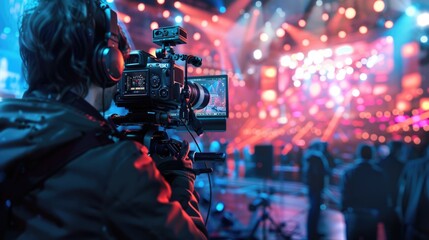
(156,91)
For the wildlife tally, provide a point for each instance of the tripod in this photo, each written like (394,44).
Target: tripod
(263,203)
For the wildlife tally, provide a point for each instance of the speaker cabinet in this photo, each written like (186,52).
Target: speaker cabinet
(264,161)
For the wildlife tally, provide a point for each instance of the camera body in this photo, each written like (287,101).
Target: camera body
(149,83)
(155,90)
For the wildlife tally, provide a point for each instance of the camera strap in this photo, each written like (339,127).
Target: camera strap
(23,179)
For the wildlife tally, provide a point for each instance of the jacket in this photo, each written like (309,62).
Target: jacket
(361,180)
(413,199)
(114,191)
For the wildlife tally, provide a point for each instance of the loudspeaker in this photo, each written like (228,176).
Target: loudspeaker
(108,62)
(264,161)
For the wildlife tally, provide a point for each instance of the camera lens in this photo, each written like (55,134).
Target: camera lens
(199,96)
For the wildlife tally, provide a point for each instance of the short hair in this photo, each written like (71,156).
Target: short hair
(57,41)
(365,151)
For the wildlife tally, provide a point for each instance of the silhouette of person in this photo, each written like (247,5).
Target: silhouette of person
(413,199)
(364,195)
(392,167)
(315,174)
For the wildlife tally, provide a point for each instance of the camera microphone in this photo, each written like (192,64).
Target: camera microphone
(196,61)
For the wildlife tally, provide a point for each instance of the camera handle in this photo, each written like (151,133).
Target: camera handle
(162,147)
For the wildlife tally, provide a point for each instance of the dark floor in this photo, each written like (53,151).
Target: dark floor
(284,202)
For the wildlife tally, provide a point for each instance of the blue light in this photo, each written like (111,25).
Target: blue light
(178,19)
(222,9)
(7,30)
(424,39)
(411,11)
(220,207)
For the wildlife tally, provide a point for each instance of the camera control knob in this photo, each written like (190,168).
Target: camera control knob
(163,93)
(155,81)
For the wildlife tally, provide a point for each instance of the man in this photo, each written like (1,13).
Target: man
(392,167)
(315,173)
(364,195)
(73,54)
(413,199)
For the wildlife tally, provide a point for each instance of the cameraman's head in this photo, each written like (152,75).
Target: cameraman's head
(72,45)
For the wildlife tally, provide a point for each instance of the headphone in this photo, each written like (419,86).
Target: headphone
(108,61)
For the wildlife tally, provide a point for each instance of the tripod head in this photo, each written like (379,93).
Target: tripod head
(262,201)
(163,148)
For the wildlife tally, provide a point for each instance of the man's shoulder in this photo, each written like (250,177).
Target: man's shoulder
(421,164)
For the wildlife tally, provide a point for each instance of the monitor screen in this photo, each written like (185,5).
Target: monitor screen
(217,86)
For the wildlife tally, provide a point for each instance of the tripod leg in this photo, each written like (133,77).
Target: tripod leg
(255,227)
(278,229)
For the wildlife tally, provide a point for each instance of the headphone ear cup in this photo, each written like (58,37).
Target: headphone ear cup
(108,64)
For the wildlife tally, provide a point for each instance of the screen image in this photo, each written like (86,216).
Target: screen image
(217,86)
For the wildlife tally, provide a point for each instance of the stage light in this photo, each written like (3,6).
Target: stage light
(302,23)
(215,18)
(388,24)
(127,19)
(280,12)
(315,89)
(141,7)
(417,140)
(274,113)
(344,50)
(161,1)
(187,18)
(109,1)
(363,77)
(305,42)
(178,19)
(204,23)
(379,6)
(341,10)
(257,54)
(423,19)
(355,92)
(177,4)
(166,14)
(258,4)
(363,29)
(280,32)
(154,25)
(262,114)
(222,9)
(285,25)
(424,104)
(285,61)
(323,38)
(424,39)
(325,17)
(411,11)
(287,47)
(342,34)
(350,13)
(197,36)
(263,37)
(269,95)
(335,91)
(270,72)
(220,206)
(299,56)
